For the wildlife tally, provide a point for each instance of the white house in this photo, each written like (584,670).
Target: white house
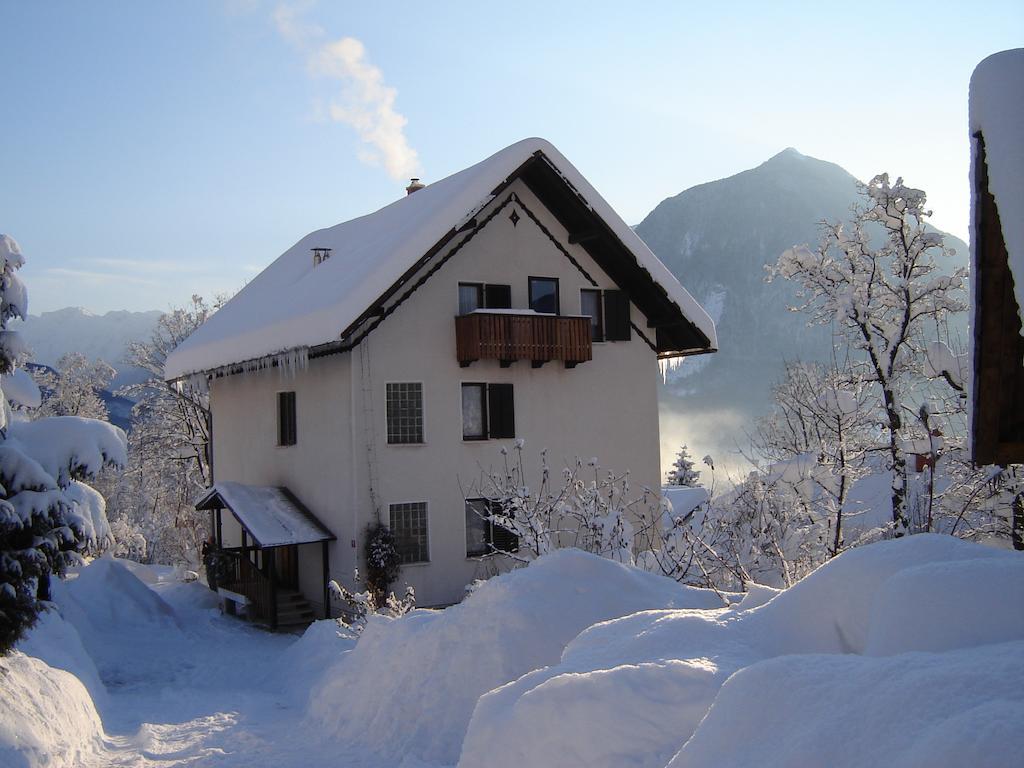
(374,370)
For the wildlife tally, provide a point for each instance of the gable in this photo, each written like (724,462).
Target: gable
(296,307)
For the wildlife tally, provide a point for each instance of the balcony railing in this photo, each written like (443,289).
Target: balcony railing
(507,337)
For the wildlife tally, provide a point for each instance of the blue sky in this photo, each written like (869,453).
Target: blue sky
(155,150)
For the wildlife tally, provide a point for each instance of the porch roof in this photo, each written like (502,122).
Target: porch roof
(271,515)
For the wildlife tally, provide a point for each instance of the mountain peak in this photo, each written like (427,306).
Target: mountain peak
(789,153)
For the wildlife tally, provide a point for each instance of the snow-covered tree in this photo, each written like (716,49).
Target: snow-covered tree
(47,515)
(73,389)
(877,280)
(682,472)
(821,422)
(169,460)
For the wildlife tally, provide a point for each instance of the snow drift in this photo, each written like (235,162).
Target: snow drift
(632,691)
(46,716)
(410,685)
(917,710)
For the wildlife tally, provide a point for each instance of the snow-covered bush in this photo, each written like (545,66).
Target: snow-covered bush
(383,562)
(47,515)
(586,507)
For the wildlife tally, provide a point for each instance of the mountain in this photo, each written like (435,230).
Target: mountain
(51,335)
(717,238)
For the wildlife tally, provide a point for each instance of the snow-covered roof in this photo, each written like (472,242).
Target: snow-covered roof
(997,112)
(272,515)
(293,304)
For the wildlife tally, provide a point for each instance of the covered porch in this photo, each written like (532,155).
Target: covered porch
(270,556)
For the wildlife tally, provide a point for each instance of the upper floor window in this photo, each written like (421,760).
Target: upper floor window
(544,295)
(408,522)
(405,412)
(488,410)
(473,296)
(286,427)
(609,314)
(590,304)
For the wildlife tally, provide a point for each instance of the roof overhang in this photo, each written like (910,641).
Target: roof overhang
(675,334)
(271,515)
(680,326)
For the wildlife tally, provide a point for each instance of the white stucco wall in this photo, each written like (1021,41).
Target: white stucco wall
(605,408)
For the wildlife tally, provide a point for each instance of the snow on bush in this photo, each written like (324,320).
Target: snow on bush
(855,604)
(71,447)
(410,685)
(46,716)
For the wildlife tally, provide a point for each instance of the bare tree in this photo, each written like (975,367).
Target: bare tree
(169,448)
(881,299)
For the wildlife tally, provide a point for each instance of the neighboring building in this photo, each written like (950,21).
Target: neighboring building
(997,258)
(375,369)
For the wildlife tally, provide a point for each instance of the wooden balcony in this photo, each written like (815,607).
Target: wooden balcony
(507,337)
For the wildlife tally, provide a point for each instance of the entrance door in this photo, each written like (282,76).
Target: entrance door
(287,562)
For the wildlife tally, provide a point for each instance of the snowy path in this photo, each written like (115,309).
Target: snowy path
(209,694)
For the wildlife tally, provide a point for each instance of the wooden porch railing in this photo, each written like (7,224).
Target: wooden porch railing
(237,574)
(508,337)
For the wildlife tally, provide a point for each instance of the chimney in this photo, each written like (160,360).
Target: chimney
(415,186)
(320,255)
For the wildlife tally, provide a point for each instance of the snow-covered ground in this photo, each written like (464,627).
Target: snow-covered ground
(903,653)
(174,682)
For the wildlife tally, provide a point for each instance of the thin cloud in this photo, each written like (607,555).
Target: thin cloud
(142,265)
(104,278)
(366,102)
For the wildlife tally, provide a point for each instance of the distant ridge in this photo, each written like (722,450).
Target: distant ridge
(717,238)
(51,335)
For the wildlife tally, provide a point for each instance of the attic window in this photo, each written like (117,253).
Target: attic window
(320,255)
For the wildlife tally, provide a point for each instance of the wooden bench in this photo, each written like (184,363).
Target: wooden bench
(232,602)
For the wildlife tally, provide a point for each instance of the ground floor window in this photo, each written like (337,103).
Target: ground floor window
(483,536)
(409,525)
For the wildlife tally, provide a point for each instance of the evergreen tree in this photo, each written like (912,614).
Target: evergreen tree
(682,472)
(46,515)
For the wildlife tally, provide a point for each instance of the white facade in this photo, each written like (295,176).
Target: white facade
(342,463)
(373,302)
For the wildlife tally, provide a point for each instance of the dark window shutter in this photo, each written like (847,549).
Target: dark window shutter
(501,410)
(499,538)
(504,540)
(616,316)
(498,296)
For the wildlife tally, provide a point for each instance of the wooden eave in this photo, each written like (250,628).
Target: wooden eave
(998,391)
(675,335)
